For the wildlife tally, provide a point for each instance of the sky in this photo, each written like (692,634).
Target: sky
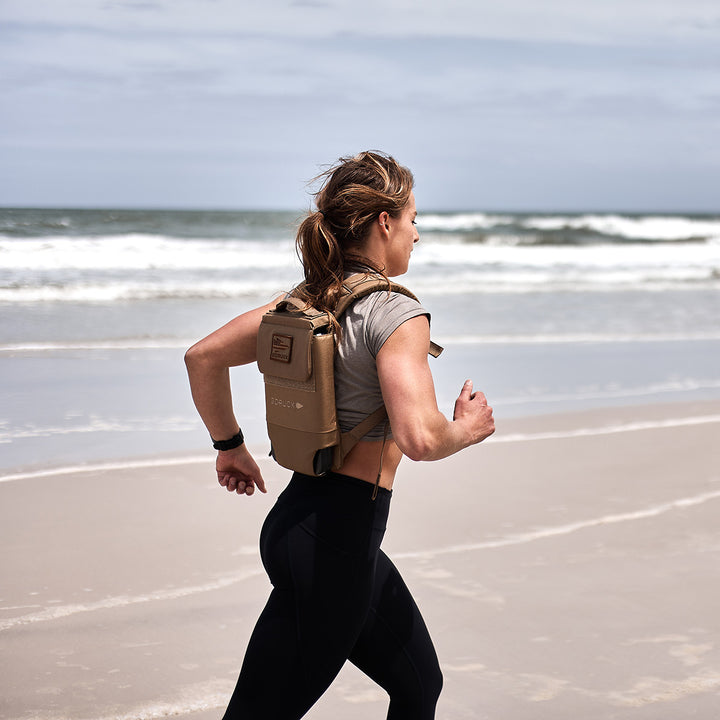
(605,105)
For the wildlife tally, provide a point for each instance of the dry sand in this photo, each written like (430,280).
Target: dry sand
(568,568)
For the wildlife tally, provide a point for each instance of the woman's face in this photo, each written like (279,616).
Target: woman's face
(403,236)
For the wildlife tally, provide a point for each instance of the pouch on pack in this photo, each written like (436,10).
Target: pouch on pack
(296,352)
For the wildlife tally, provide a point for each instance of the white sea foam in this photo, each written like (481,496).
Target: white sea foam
(108,467)
(572,338)
(61,611)
(100,425)
(97,345)
(456,267)
(629,227)
(57,612)
(461,221)
(510,438)
(165,288)
(568,529)
(601,256)
(666,388)
(146,267)
(620,428)
(648,227)
(432,283)
(124,344)
(186,700)
(143,252)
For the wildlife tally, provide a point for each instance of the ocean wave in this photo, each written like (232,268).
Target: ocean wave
(263,288)
(143,252)
(480,283)
(267,227)
(99,425)
(119,344)
(601,393)
(580,256)
(477,281)
(571,229)
(138,266)
(573,338)
(648,228)
(454,222)
(558,338)
(208,224)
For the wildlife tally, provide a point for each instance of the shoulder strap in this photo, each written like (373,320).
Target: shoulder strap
(291,302)
(361,284)
(355,287)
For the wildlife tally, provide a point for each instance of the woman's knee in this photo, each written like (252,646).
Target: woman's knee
(435,683)
(415,695)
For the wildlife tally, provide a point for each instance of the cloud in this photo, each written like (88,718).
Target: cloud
(207,90)
(611,20)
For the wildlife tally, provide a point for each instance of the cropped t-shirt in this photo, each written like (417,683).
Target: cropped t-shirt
(366,325)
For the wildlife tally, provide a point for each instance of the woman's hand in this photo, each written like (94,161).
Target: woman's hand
(472,408)
(238,472)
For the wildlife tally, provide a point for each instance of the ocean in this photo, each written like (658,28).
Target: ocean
(546,312)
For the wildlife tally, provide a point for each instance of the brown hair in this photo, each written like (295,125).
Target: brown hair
(329,241)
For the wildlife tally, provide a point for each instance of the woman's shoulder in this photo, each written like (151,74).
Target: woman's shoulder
(383,312)
(383,301)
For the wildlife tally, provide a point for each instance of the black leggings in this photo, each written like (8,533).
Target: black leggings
(336,596)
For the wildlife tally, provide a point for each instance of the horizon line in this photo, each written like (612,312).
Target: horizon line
(454,211)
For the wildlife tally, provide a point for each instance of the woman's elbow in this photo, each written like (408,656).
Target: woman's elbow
(416,445)
(191,356)
(197,357)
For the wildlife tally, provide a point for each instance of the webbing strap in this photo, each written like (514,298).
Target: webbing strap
(352,437)
(382,453)
(291,300)
(360,285)
(349,439)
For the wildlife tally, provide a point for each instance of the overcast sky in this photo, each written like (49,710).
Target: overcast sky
(512,105)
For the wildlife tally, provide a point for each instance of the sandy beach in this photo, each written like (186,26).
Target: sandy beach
(567,568)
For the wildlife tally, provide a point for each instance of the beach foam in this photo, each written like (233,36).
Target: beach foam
(57,612)
(594,431)
(467,253)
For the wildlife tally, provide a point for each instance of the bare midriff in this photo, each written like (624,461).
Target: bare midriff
(363,462)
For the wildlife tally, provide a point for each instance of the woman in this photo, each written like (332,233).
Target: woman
(336,596)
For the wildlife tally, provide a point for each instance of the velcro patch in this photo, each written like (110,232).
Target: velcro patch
(281,348)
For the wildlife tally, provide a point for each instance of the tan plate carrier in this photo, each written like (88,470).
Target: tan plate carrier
(296,353)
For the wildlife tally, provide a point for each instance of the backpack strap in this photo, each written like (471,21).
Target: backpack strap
(350,438)
(355,287)
(291,302)
(361,284)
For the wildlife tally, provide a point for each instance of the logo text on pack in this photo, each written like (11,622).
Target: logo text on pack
(291,404)
(281,349)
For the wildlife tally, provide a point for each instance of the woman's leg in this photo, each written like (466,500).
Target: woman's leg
(395,649)
(320,548)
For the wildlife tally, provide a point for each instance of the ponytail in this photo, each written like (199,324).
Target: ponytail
(323,262)
(329,241)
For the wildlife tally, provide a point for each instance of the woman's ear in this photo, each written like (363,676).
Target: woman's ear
(383,220)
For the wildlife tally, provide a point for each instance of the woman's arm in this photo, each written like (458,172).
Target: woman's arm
(208,363)
(420,430)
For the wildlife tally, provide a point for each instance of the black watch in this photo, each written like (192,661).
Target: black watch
(231,444)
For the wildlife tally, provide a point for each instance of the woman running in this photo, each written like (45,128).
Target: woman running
(336,596)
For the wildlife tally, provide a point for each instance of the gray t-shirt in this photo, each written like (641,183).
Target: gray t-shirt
(366,325)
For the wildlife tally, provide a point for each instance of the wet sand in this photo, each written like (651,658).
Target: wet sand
(567,568)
